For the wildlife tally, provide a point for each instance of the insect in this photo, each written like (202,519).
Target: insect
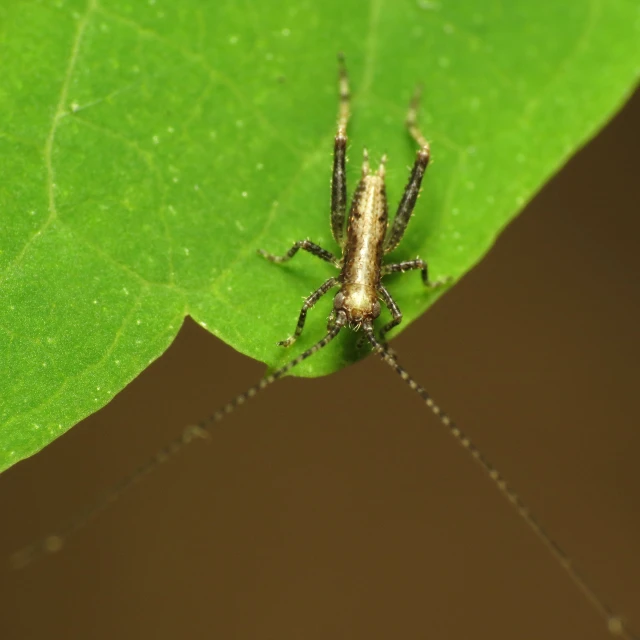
(367,238)
(364,237)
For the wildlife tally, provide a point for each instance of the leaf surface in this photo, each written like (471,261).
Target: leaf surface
(149,149)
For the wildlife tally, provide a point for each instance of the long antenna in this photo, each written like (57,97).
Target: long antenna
(53,542)
(615,624)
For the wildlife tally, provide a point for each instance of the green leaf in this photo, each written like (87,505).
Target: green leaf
(149,149)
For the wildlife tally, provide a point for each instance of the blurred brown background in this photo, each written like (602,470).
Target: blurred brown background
(339,508)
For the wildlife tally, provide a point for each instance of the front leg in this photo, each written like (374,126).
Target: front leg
(308,303)
(305,245)
(408,265)
(331,321)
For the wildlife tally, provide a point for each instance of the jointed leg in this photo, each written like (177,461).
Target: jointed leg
(412,120)
(308,303)
(339,180)
(331,321)
(395,312)
(408,265)
(410,195)
(345,96)
(397,319)
(306,245)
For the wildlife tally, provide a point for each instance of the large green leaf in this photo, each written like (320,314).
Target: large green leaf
(148,149)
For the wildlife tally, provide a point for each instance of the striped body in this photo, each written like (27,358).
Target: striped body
(363,251)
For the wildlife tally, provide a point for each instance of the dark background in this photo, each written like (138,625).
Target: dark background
(339,508)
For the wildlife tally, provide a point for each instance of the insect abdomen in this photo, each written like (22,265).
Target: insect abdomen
(365,233)
(363,251)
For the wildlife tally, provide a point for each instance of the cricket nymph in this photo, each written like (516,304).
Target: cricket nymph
(368,236)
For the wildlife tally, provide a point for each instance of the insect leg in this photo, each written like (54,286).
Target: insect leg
(408,265)
(412,119)
(615,624)
(331,320)
(339,179)
(306,245)
(54,542)
(308,303)
(410,195)
(395,312)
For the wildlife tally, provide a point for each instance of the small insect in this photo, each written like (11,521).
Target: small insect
(364,243)
(367,239)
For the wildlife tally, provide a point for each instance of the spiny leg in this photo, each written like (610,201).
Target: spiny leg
(395,313)
(388,298)
(410,195)
(412,119)
(331,320)
(54,542)
(339,180)
(408,265)
(391,303)
(305,245)
(615,624)
(308,303)
(397,319)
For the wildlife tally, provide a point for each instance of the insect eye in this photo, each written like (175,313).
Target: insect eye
(376,309)
(338,301)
